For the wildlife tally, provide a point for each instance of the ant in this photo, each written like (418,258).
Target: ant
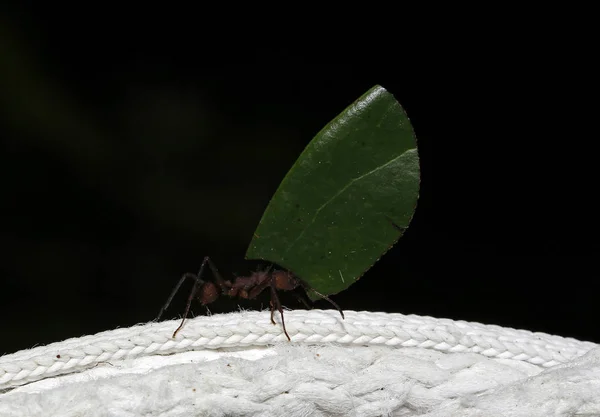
(248,287)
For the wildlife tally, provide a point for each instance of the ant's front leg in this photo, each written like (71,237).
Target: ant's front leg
(275,303)
(272,310)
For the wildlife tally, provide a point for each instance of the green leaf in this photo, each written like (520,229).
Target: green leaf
(347,199)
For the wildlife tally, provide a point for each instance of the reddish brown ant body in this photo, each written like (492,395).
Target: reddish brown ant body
(248,287)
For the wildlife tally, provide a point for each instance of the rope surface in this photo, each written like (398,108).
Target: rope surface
(251,329)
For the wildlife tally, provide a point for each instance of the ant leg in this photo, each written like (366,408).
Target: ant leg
(323,296)
(196,277)
(183,278)
(197,282)
(254,292)
(275,300)
(189,303)
(218,279)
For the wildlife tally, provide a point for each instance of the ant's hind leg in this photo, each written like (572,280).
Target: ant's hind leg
(223,285)
(175,290)
(187,306)
(197,283)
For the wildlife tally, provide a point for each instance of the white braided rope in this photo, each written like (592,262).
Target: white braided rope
(251,329)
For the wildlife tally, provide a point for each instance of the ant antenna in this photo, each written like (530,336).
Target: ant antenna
(323,296)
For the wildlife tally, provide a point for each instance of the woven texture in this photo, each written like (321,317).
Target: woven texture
(368,364)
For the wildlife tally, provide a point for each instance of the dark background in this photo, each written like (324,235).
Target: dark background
(131,152)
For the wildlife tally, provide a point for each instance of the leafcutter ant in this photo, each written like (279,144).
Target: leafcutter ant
(248,287)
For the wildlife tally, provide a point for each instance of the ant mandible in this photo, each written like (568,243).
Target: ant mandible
(248,287)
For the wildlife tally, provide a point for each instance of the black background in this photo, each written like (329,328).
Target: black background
(129,152)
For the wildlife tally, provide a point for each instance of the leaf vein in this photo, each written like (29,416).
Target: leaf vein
(350,183)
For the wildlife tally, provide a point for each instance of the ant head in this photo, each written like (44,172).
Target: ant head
(284,280)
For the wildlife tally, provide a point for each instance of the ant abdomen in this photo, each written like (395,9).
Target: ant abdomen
(208,292)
